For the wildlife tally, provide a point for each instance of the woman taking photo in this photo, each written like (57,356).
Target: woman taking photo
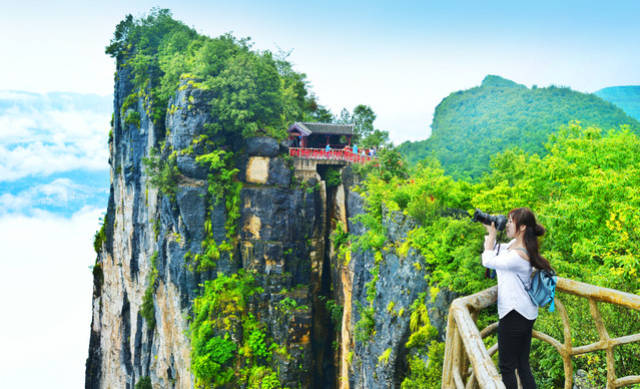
(514,263)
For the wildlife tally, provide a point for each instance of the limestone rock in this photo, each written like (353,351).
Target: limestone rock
(257,170)
(262,146)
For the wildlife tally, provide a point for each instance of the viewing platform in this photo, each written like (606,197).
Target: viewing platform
(468,362)
(309,143)
(337,156)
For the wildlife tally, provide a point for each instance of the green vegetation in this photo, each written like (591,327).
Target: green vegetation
(365,134)
(365,327)
(148,310)
(334,177)
(229,345)
(390,163)
(132,117)
(144,383)
(471,126)
(100,236)
(249,90)
(384,357)
(98,274)
(163,173)
(584,192)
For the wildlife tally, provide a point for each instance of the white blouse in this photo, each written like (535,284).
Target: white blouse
(511,270)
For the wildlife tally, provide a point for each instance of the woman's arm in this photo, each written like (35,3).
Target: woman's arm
(490,238)
(507,260)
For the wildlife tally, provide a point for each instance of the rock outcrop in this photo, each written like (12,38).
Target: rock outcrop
(146,277)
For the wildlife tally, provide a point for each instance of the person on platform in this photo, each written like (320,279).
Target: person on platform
(513,263)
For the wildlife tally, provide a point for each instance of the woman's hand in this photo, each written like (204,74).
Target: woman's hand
(490,238)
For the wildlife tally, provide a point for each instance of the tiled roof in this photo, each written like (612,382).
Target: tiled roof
(307,128)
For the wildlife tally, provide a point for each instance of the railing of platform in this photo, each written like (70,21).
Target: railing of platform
(468,364)
(338,155)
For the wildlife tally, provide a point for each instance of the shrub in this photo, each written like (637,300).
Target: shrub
(163,173)
(333,177)
(133,117)
(365,327)
(100,237)
(144,383)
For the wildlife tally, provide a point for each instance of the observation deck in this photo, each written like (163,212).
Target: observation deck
(309,162)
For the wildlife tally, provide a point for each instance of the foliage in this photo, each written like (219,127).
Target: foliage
(229,346)
(333,178)
(365,327)
(144,383)
(257,344)
(583,190)
(213,365)
(249,90)
(100,236)
(425,374)
(98,274)
(263,378)
(364,133)
(163,173)
(339,237)
(147,309)
(422,332)
(132,117)
(335,312)
(222,184)
(471,126)
(390,163)
(384,357)
(363,118)
(584,193)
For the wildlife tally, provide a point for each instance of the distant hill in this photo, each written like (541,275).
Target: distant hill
(472,125)
(625,97)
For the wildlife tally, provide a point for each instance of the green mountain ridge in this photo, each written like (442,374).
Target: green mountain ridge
(626,97)
(472,125)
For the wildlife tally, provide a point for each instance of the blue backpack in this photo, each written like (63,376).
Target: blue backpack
(543,288)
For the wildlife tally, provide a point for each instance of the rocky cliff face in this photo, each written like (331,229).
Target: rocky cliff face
(284,235)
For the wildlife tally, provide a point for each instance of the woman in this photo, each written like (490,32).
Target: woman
(514,263)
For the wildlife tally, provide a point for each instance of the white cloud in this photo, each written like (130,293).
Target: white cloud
(45,295)
(16,95)
(50,135)
(61,192)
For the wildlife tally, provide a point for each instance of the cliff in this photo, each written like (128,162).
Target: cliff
(219,264)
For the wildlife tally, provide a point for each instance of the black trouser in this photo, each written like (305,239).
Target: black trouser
(514,344)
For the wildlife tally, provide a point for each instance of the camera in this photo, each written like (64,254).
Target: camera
(500,221)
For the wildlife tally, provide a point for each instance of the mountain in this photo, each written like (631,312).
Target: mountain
(625,97)
(472,125)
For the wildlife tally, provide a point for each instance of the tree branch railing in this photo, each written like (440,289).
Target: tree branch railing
(468,363)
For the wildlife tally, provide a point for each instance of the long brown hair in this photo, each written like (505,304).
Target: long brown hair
(525,217)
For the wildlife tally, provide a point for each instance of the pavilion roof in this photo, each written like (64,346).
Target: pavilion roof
(308,128)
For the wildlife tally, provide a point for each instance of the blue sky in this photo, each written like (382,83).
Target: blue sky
(401,58)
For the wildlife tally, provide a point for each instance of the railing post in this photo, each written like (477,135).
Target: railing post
(447,367)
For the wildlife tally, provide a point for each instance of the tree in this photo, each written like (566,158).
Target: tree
(345,117)
(363,118)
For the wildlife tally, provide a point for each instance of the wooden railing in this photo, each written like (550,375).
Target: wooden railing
(468,363)
(337,155)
